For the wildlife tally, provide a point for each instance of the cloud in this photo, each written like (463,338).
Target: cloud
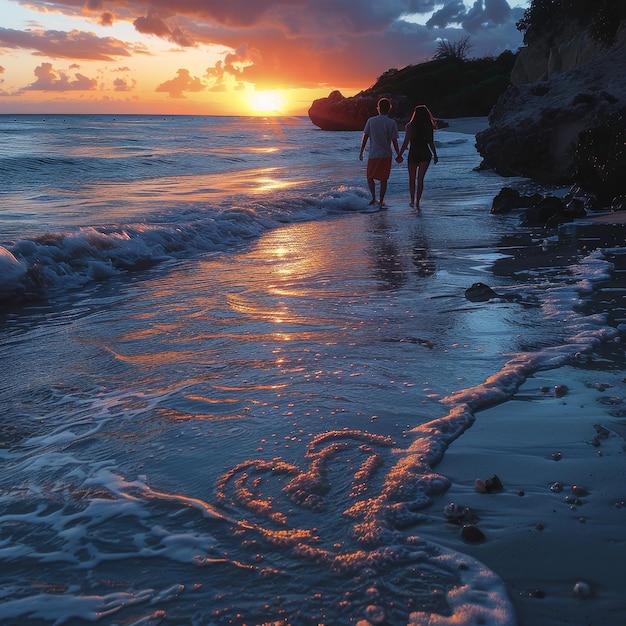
(123,84)
(152,24)
(452,13)
(57,44)
(486,15)
(482,15)
(176,87)
(285,43)
(49,79)
(106,19)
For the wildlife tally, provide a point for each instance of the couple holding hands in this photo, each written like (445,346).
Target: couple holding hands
(382,132)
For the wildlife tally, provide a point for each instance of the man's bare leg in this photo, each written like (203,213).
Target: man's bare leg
(372,185)
(383,191)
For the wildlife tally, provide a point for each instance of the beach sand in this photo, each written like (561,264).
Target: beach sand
(540,541)
(555,533)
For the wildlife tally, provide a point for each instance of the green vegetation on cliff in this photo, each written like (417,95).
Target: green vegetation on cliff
(451,86)
(546,18)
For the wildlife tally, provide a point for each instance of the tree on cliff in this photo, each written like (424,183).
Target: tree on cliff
(458,51)
(547,18)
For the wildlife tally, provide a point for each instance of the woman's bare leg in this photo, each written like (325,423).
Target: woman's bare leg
(421,172)
(412,174)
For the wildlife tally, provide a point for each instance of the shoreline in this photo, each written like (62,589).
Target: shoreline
(466,125)
(540,541)
(556,527)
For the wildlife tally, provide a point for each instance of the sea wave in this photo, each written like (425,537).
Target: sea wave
(53,262)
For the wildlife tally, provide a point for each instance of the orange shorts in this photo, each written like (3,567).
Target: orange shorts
(379,169)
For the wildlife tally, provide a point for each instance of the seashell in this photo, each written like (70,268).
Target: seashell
(481,487)
(490,485)
(582,589)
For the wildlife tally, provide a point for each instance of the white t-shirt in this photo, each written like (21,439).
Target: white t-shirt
(382,130)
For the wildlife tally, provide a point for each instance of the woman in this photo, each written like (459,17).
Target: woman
(419,134)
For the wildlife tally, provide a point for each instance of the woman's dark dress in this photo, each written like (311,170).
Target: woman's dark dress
(419,152)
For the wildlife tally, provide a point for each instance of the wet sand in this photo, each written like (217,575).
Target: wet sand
(555,532)
(558,521)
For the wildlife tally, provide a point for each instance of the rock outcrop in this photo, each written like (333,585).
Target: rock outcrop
(541,60)
(535,129)
(337,112)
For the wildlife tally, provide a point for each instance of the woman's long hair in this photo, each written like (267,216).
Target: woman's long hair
(423,119)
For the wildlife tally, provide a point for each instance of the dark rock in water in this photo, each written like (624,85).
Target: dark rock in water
(505,201)
(549,211)
(337,112)
(479,292)
(560,391)
(509,199)
(472,534)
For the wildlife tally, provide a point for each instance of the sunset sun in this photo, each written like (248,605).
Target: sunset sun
(266,102)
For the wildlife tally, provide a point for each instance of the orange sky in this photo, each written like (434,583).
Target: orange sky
(225,57)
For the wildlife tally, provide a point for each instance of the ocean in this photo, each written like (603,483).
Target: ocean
(228,380)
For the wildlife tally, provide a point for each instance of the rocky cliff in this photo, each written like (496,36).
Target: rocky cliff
(575,48)
(564,119)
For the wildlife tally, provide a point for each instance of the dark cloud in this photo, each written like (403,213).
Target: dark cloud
(497,11)
(155,25)
(152,25)
(452,12)
(481,15)
(64,45)
(106,19)
(487,14)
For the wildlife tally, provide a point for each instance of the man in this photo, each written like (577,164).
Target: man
(382,131)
